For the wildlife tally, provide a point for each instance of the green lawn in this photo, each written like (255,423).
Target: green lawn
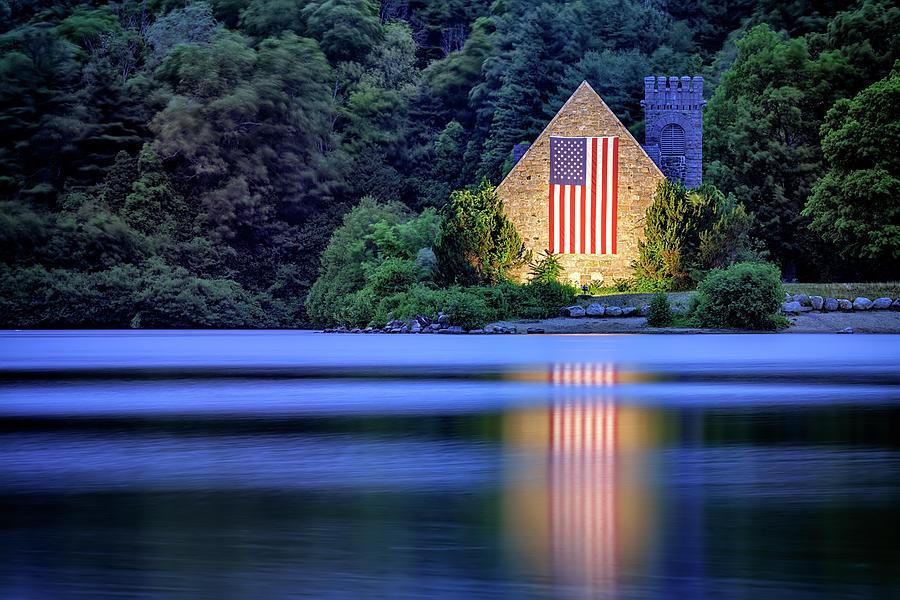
(849,291)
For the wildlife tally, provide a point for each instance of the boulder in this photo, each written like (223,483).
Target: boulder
(830,304)
(895,305)
(817,302)
(881,304)
(844,304)
(629,311)
(791,308)
(456,329)
(534,330)
(476,332)
(861,303)
(573,311)
(788,297)
(803,299)
(415,327)
(595,310)
(645,310)
(846,330)
(613,311)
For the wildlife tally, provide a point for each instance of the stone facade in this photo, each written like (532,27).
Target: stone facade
(525,190)
(673,127)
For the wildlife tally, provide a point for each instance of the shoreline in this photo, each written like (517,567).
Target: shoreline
(810,322)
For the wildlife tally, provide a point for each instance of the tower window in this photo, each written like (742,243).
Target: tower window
(671,141)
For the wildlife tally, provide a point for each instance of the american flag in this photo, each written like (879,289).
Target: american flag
(583,194)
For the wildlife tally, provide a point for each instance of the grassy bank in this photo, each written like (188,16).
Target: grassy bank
(846,290)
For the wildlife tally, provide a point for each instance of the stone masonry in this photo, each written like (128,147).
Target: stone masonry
(525,190)
(673,128)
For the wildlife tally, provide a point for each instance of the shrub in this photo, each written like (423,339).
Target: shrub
(744,296)
(660,314)
(467,310)
(406,305)
(546,269)
(391,276)
(359,309)
(543,300)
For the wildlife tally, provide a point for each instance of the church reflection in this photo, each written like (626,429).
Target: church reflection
(578,506)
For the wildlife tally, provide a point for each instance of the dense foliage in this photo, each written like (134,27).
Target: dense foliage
(477,244)
(743,296)
(380,250)
(185,162)
(687,233)
(379,265)
(856,203)
(762,126)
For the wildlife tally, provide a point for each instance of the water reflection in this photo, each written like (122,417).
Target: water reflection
(583,514)
(577,475)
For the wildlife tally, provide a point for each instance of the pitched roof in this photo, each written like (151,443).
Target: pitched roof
(607,124)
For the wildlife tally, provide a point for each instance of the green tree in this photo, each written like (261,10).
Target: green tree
(686,233)
(346,29)
(477,244)
(857,203)
(343,269)
(761,131)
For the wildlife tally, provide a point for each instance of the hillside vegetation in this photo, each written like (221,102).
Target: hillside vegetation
(169,163)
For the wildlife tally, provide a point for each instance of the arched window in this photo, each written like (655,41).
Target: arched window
(671,141)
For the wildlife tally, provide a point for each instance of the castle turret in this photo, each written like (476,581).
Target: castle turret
(673,127)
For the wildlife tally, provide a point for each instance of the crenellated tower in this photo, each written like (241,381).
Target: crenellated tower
(673,127)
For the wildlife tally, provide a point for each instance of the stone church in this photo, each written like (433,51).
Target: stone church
(583,187)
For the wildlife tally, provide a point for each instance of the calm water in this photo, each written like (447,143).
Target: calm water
(269,465)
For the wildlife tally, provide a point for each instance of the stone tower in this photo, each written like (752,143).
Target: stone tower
(673,128)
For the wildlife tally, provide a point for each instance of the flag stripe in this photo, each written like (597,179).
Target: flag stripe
(603,200)
(572,218)
(552,220)
(593,181)
(614,176)
(582,228)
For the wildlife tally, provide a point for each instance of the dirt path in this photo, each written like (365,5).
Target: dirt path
(860,322)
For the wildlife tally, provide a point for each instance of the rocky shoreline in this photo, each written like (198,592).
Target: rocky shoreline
(808,314)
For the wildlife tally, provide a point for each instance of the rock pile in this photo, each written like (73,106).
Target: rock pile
(598,310)
(439,324)
(798,303)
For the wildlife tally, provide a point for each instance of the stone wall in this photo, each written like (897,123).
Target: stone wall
(525,190)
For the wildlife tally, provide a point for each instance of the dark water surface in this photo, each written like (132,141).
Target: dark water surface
(269,465)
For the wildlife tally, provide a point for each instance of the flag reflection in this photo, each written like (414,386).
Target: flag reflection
(581,510)
(582,461)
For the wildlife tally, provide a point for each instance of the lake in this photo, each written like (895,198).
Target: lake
(284,464)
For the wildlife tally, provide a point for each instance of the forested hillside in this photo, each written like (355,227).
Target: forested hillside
(184,163)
